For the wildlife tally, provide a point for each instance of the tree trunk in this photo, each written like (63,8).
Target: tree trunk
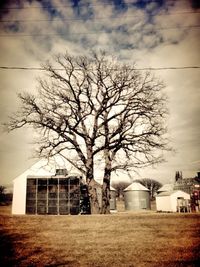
(106,194)
(106,184)
(92,186)
(94,203)
(107,171)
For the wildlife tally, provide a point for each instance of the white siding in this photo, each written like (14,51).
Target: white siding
(19,187)
(163,203)
(19,196)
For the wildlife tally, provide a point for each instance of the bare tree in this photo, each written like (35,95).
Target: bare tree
(151,184)
(120,186)
(92,108)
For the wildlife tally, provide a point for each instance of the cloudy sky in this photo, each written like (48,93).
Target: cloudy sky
(159,34)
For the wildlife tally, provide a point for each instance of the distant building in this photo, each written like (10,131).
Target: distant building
(188,185)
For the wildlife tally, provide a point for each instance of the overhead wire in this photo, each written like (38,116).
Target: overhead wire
(93,32)
(17,34)
(138,69)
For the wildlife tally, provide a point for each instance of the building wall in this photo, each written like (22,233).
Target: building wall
(163,203)
(19,196)
(137,200)
(23,203)
(57,195)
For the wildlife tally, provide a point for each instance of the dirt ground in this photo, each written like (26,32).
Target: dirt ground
(120,239)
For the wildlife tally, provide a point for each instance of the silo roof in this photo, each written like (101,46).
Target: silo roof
(136,187)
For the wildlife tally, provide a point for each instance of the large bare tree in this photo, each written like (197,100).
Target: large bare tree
(94,108)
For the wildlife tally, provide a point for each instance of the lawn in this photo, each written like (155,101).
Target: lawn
(121,239)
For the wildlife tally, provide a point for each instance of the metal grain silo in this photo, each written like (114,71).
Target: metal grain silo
(113,192)
(136,197)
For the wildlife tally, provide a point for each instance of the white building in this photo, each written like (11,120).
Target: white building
(167,201)
(23,198)
(41,168)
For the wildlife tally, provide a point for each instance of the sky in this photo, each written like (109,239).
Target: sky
(164,35)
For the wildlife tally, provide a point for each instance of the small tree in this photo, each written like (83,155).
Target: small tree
(151,184)
(93,108)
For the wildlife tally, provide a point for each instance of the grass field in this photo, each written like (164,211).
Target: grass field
(121,239)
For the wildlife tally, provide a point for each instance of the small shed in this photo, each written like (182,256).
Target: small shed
(168,201)
(137,197)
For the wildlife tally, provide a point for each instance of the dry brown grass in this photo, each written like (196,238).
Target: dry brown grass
(122,239)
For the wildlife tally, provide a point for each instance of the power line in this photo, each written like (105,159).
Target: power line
(94,32)
(139,69)
(23,68)
(100,18)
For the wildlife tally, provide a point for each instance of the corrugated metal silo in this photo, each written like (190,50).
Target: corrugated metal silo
(137,197)
(113,205)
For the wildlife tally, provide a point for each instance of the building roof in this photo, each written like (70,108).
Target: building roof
(163,194)
(166,188)
(136,187)
(45,167)
(53,176)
